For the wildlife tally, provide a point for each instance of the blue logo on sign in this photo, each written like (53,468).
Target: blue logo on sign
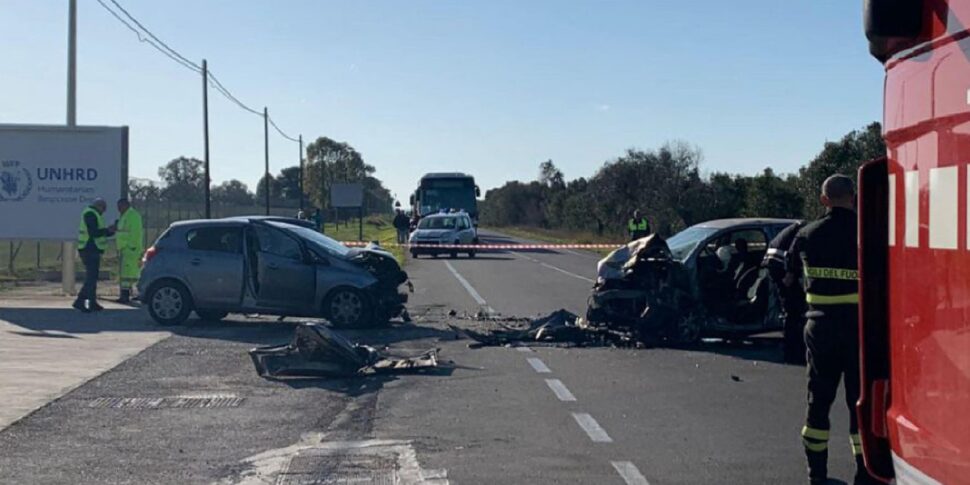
(15,181)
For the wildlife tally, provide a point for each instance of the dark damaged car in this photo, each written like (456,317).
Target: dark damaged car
(267,266)
(705,281)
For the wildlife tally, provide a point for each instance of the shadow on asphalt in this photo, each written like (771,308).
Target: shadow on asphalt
(763,348)
(479,257)
(69,323)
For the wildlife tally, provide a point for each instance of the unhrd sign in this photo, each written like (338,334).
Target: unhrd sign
(49,173)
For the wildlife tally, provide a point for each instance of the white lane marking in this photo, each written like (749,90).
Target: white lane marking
(628,471)
(469,288)
(523,348)
(530,258)
(911,194)
(559,389)
(547,265)
(538,365)
(592,428)
(574,275)
(943,207)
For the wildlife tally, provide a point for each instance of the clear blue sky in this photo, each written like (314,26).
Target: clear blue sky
(487,87)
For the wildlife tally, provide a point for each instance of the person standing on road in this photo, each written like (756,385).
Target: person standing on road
(318,219)
(825,252)
(130,242)
(92,240)
(792,296)
(638,226)
(402,224)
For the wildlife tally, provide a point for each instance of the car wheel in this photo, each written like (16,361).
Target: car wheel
(471,254)
(169,303)
(414,254)
(211,315)
(347,307)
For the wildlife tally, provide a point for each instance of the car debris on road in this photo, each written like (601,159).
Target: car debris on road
(318,351)
(561,328)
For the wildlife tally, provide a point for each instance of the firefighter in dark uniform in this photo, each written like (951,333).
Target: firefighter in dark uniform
(825,253)
(792,295)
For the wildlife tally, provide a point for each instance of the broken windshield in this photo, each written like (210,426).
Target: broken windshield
(682,243)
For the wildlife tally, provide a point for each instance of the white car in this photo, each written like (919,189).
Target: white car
(444,229)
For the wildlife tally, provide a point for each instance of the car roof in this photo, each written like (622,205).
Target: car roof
(208,222)
(745,221)
(450,214)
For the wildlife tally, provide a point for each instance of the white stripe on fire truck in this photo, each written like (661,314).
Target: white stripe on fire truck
(912,208)
(943,207)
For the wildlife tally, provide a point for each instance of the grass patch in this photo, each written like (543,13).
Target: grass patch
(376,228)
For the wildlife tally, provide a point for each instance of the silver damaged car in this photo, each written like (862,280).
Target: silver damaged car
(267,266)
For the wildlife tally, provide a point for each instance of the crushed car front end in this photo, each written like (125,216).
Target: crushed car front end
(386,292)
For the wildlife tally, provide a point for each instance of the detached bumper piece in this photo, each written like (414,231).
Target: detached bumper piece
(317,351)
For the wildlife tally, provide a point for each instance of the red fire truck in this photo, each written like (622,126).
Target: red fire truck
(915,248)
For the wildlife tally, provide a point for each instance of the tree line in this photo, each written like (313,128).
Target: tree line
(669,187)
(327,162)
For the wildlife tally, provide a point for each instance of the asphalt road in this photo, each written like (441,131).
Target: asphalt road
(720,413)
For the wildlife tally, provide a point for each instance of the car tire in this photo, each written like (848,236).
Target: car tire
(168,302)
(211,315)
(347,307)
(471,254)
(414,254)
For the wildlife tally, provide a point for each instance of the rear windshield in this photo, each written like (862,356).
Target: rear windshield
(438,223)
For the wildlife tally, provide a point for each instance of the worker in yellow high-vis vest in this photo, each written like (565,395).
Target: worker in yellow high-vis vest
(130,242)
(638,226)
(92,240)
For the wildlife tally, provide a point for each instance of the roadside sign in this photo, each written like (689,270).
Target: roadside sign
(49,173)
(347,195)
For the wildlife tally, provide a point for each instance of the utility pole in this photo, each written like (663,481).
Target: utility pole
(67,259)
(205,135)
(301,174)
(266,149)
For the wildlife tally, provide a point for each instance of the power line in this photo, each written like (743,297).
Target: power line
(150,34)
(278,130)
(214,82)
(146,36)
(175,56)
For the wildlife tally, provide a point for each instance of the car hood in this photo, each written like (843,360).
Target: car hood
(432,233)
(379,263)
(631,257)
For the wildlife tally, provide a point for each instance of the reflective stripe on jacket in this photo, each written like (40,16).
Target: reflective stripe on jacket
(826,253)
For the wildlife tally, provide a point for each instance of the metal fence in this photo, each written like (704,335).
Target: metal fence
(32,260)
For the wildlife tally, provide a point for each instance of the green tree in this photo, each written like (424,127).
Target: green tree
(329,161)
(769,195)
(184,179)
(844,156)
(232,192)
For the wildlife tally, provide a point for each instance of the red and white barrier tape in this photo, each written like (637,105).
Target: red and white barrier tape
(489,246)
